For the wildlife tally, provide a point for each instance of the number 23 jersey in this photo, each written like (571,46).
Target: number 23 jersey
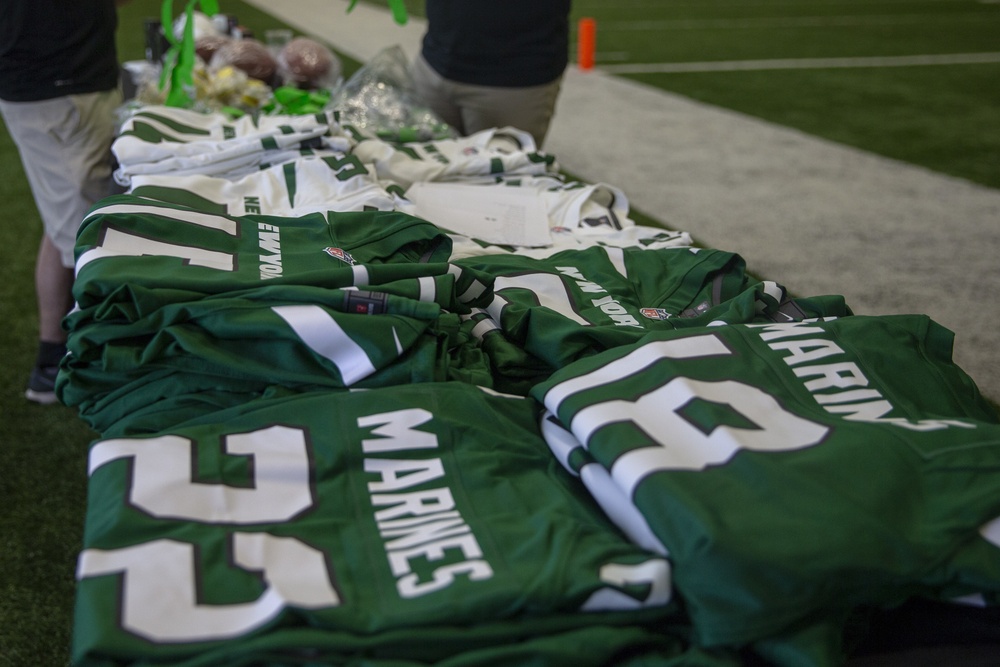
(324,523)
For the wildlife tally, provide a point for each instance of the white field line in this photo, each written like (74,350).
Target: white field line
(789,22)
(798,4)
(801,63)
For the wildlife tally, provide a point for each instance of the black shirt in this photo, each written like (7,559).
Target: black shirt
(52,48)
(509,43)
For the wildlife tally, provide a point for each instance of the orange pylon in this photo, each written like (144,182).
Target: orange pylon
(586,43)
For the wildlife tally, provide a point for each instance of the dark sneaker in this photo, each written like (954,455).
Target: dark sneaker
(42,385)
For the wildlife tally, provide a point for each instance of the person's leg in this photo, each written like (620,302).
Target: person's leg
(53,284)
(530,109)
(436,92)
(65,149)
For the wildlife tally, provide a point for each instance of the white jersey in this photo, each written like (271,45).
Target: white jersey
(165,140)
(575,204)
(578,215)
(295,188)
(565,203)
(492,152)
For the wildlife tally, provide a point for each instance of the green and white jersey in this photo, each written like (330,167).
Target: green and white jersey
(295,188)
(446,285)
(160,124)
(185,360)
(579,302)
(791,471)
(391,524)
(566,238)
(128,240)
(287,335)
(294,336)
(491,152)
(168,140)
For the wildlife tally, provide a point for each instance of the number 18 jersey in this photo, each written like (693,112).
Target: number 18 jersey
(791,471)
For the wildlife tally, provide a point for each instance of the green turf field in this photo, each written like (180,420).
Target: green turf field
(837,69)
(844,70)
(941,116)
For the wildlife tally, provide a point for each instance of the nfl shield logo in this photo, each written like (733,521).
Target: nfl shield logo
(341,254)
(654,313)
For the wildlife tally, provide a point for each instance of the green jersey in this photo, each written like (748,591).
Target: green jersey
(791,471)
(128,240)
(546,313)
(492,152)
(280,335)
(389,524)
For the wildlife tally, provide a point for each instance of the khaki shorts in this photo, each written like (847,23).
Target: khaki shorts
(470,108)
(65,147)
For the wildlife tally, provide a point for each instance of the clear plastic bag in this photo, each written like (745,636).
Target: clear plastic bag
(307,64)
(378,100)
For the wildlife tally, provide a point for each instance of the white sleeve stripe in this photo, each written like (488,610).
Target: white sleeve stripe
(360,272)
(428,291)
(326,338)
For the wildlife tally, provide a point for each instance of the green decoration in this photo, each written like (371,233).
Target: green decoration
(398,8)
(179,60)
(293,101)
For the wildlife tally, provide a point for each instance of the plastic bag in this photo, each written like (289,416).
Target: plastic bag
(307,64)
(378,100)
(248,56)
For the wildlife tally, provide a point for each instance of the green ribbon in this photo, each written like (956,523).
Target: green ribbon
(179,60)
(293,101)
(398,8)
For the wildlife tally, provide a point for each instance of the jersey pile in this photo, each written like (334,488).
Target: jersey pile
(170,141)
(332,431)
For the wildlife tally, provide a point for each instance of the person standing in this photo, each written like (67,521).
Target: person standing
(488,64)
(59,88)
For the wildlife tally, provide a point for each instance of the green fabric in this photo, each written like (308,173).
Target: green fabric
(419,535)
(795,471)
(178,61)
(398,8)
